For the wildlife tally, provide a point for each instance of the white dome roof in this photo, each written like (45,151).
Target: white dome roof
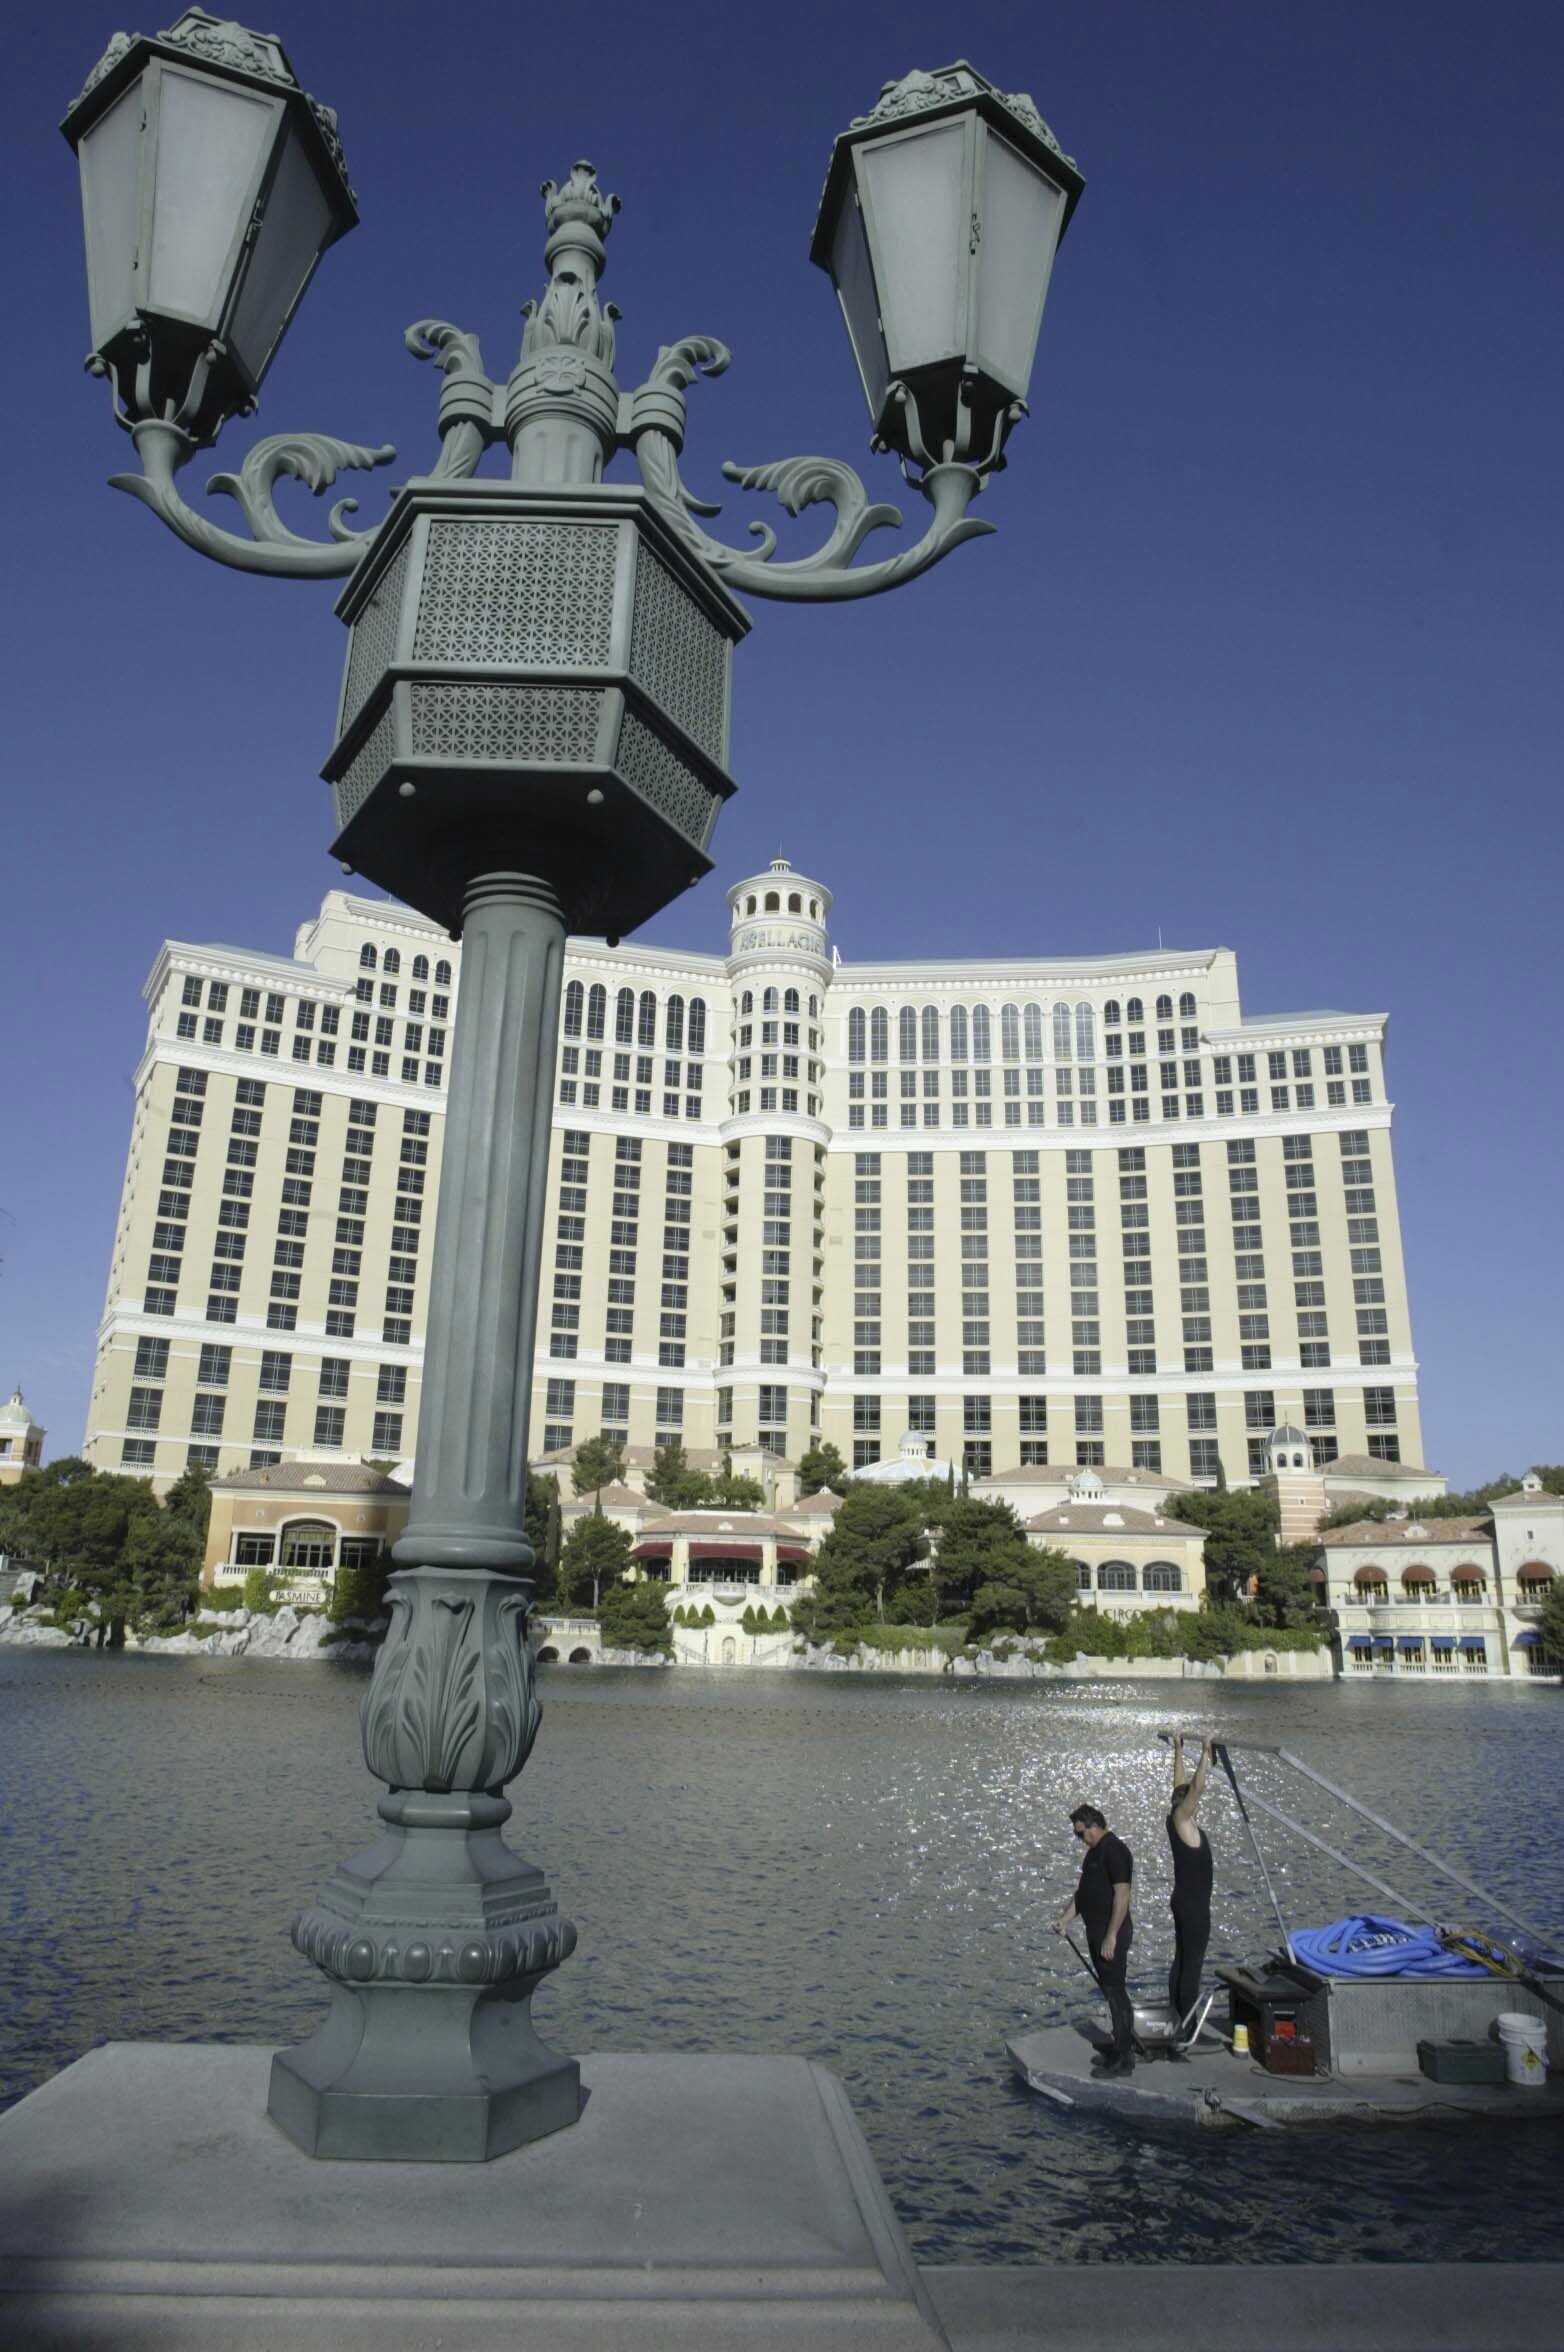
(15,1414)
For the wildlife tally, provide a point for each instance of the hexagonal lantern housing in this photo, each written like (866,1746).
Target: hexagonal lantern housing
(537,680)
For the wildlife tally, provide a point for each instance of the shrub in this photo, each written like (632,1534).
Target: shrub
(260,1591)
(358,1589)
(708,1615)
(222,1597)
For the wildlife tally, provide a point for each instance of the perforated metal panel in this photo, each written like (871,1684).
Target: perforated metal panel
(374,639)
(533,724)
(356,784)
(663,779)
(510,595)
(678,655)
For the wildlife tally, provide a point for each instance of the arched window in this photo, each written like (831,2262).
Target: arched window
(747,1003)
(442,975)
(773,903)
(879,1035)
(393,962)
(646,1022)
(907,1034)
(1061,1033)
(1186,1007)
(1085,1034)
(597,1009)
(308,1543)
(624,1017)
(1116,1576)
(790,1000)
(1111,1012)
(1010,1032)
(1032,1025)
(770,1001)
(1534,1576)
(420,967)
(673,1025)
(1134,1010)
(814,909)
(697,1044)
(1162,1576)
(1083,1575)
(982,1034)
(814,1008)
(857,1035)
(367,957)
(749,904)
(930,1033)
(1164,1008)
(575,1007)
(958,1033)
(795,905)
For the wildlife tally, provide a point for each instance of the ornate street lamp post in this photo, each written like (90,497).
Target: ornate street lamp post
(531,739)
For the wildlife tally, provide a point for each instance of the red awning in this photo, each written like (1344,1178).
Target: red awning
(1468,1574)
(658,1547)
(1417,1576)
(725,1551)
(794,1552)
(1369,1576)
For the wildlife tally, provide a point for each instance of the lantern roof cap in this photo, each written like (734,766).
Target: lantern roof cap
(219,42)
(948,89)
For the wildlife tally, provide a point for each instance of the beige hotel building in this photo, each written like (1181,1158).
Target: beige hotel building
(1037,1210)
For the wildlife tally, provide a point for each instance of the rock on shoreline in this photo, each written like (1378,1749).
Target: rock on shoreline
(227,1633)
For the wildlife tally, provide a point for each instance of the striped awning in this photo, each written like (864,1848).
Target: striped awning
(1473,1641)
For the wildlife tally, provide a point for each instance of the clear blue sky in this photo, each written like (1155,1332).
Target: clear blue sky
(1267,651)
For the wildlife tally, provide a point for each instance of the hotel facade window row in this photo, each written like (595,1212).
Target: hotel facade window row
(1039,1211)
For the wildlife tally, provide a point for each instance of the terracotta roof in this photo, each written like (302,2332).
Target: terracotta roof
(313,1477)
(1536,1496)
(1370,1466)
(751,1525)
(1063,1473)
(823,1505)
(612,1498)
(1400,1532)
(1110,1519)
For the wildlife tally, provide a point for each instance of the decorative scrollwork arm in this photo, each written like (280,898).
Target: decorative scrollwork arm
(655,429)
(312,458)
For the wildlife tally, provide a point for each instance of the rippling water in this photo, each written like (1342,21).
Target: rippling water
(861,1871)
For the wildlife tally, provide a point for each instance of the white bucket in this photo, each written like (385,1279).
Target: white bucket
(1525,2042)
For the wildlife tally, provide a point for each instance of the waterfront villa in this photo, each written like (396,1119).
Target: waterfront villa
(1447,1597)
(301,1521)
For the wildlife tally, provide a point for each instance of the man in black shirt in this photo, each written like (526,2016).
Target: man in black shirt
(1191,1880)
(1102,1904)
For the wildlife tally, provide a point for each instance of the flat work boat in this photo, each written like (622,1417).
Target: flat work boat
(1370,2046)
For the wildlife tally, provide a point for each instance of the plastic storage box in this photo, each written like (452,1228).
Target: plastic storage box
(1462,2062)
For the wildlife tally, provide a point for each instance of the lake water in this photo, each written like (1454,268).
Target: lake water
(856,1870)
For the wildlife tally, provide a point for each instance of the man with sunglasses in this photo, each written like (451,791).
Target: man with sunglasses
(1102,1904)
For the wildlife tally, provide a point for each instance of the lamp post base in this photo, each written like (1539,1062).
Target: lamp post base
(352,2092)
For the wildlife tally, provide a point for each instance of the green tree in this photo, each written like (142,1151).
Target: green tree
(730,1490)
(672,1482)
(1240,1527)
(161,1565)
(980,1543)
(635,1617)
(189,1500)
(1284,1586)
(822,1466)
(542,1527)
(599,1462)
(1031,1591)
(873,1540)
(596,1553)
(358,1589)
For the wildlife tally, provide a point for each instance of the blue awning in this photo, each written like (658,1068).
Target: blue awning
(1473,1641)
(1443,1641)
(1409,1641)
(1526,1640)
(1360,1641)
(1383,1641)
